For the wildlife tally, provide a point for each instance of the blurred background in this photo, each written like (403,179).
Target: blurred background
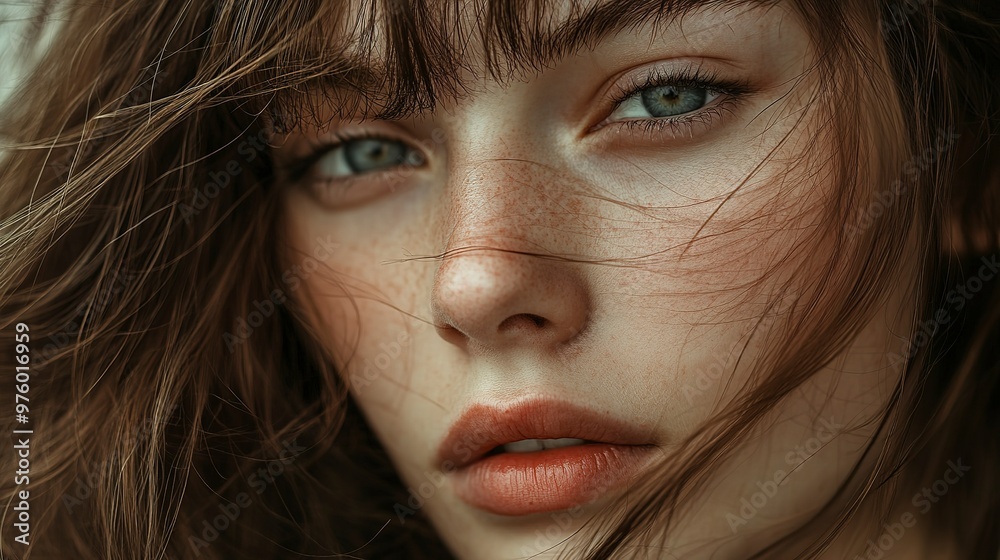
(18,22)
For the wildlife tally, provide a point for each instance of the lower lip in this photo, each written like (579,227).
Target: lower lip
(548,480)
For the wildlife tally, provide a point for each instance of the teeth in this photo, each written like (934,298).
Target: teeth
(528,445)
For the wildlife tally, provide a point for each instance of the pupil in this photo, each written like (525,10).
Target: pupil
(669,95)
(376,153)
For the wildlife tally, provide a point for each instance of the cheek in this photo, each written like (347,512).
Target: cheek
(367,311)
(715,258)
(719,225)
(374,347)
(346,300)
(707,273)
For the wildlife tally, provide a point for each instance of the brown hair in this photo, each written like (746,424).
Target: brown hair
(139,218)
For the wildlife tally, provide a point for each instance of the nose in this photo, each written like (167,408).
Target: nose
(500,284)
(502,298)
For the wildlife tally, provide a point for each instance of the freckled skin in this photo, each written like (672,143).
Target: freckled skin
(568,271)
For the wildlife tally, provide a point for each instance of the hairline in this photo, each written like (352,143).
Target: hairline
(357,80)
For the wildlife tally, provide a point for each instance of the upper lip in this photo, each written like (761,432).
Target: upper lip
(482,428)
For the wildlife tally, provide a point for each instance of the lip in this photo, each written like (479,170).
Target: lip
(540,481)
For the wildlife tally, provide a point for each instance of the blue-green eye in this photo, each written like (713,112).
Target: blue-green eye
(663,101)
(669,101)
(366,155)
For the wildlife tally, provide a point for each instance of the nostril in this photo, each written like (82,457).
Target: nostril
(523,320)
(450,333)
(539,321)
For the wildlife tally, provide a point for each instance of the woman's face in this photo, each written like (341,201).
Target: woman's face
(580,255)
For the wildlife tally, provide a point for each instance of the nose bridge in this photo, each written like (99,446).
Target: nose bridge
(499,161)
(506,174)
(501,201)
(497,284)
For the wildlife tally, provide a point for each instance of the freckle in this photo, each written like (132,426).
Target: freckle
(575,205)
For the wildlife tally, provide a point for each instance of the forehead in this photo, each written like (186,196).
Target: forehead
(505,34)
(392,58)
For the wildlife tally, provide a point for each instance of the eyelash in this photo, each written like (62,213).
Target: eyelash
(730,93)
(298,168)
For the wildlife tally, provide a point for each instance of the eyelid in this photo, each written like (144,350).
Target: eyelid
(341,192)
(686,73)
(710,100)
(297,168)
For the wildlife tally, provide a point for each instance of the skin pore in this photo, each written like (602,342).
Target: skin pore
(600,254)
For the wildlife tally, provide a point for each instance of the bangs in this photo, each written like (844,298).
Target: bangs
(389,59)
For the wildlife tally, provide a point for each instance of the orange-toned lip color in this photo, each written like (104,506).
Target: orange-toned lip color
(547,480)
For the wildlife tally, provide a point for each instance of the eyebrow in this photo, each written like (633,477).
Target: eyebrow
(424,59)
(608,17)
